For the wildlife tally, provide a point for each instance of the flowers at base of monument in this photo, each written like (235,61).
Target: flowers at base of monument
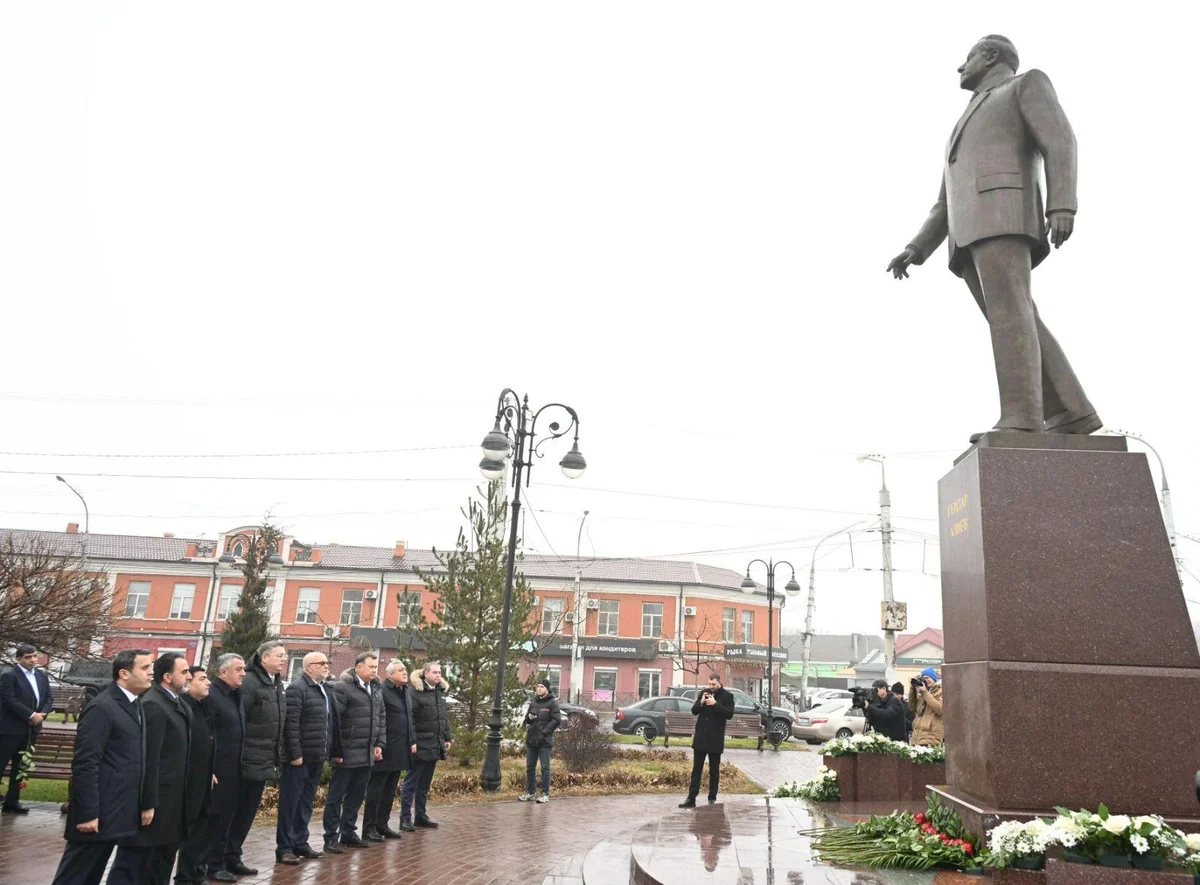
(821,788)
(902,841)
(1143,839)
(874,742)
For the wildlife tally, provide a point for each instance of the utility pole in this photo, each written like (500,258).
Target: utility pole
(812,604)
(580,617)
(885,528)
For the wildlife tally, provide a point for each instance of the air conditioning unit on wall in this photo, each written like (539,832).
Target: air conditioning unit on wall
(666,646)
(689,611)
(372,594)
(569,618)
(536,601)
(330,632)
(593,604)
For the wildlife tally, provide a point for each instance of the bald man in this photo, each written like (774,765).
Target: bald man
(307,740)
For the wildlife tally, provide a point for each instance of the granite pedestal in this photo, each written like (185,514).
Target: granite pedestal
(1072,675)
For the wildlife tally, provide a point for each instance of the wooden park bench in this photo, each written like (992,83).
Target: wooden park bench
(748,725)
(52,756)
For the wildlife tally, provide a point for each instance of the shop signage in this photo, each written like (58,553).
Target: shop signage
(756,653)
(602,647)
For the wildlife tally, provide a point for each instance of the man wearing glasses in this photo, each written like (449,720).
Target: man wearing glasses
(307,741)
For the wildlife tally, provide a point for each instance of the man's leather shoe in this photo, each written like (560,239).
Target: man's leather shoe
(240,869)
(688,803)
(1067,423)
(407,826)
(15,809)
(712,801)
(426,823)
(305,851)
(373,837)
(354,842)
(290,859)
(388,833)
(222,876)
(334,848)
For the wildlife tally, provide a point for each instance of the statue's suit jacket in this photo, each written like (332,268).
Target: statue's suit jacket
(990,182)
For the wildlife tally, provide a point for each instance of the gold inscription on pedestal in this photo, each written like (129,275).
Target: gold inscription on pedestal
(957,505)
(958,528)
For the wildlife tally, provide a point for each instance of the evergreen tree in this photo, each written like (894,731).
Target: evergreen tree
(249,626)
(465,630)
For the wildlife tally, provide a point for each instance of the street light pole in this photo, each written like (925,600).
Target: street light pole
(86,517)
(513,434)
(885,529)
(808,616)
(576,686)
(793,590)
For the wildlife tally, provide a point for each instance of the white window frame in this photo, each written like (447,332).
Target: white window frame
(294,672)
(553,672)
(232,597)
(407,601)
(645,614)
(553,610)
(747,635)
(178,651)
(139,609)
(656,677)
(176,613)
(608,623)
(729,620)
(605,670)
(356,612)
(306,607)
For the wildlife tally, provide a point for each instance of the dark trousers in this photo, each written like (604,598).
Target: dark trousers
(346,790)
(534,755)
(714,774)
(243,819)
(223,805)
(160,860)
(193,853)
(11,746)
(83,863)
(296,791)
(416,789)
(381,795)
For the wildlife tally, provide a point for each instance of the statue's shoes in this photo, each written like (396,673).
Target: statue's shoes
(1082,425)
(976,437)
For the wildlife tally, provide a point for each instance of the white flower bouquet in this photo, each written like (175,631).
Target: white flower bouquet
(821,788)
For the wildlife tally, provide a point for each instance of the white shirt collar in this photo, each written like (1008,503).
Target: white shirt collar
(132,697)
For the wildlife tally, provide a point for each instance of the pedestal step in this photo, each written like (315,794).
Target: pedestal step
(609,863)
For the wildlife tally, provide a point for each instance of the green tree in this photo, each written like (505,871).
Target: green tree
(250,625)
(464,632)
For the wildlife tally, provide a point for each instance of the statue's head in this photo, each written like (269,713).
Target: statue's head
(992,50)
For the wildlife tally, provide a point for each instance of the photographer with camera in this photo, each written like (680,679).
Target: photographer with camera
(925,699)
(713,708)
(884,711)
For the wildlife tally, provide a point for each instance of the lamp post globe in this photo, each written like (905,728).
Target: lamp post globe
(792,587)
(495,445)
(748,584)
(491,469)
(573,463)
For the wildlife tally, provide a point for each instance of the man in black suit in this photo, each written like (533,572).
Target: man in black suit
(110,753)
(229,725)
(198,789)
(24,703)
(168,734)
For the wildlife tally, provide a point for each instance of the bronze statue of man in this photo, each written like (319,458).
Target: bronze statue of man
(991,208)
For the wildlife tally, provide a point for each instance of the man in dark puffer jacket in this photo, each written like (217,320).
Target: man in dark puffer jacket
(541,720)
(361,737)
(431,741)
(307,741)
(265,708)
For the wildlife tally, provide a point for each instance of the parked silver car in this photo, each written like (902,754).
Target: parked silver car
(833,718)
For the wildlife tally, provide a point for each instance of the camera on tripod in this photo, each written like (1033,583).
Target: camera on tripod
(862,697)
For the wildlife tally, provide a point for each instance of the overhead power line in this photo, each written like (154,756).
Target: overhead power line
(216,455)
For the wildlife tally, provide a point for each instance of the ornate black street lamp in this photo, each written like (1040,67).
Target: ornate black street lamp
(513,434)
(793,589)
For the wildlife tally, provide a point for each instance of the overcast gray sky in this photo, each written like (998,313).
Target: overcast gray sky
(233,228)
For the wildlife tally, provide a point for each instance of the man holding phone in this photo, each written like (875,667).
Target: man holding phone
(713,708)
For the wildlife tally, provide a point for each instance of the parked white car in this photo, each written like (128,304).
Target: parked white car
(830,719)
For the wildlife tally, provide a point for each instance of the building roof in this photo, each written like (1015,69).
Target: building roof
(932,635)
(341,556)
(832,648)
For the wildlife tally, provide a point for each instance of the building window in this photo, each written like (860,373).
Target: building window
(306,605)
(410,609)
(230,593)
(554,674)
(552,613)
(178,651)
(649,683)
(747,626)
(652,614)
(351,607)
(135,602)
(295,667)
(181,601)
(607,617)
(604,683)
(728,624)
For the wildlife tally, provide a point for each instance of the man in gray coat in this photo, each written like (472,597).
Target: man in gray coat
(991,209)
(358,744)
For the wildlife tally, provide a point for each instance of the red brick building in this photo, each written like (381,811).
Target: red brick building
(643,625)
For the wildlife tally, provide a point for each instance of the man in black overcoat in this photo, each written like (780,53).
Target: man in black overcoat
(198,789)
(168,739)
(713,708)
(397,755)
(106,780)
(25,701)
(229,724)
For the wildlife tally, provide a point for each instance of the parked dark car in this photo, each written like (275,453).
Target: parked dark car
(647,718)
(782,719)
(92,676)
